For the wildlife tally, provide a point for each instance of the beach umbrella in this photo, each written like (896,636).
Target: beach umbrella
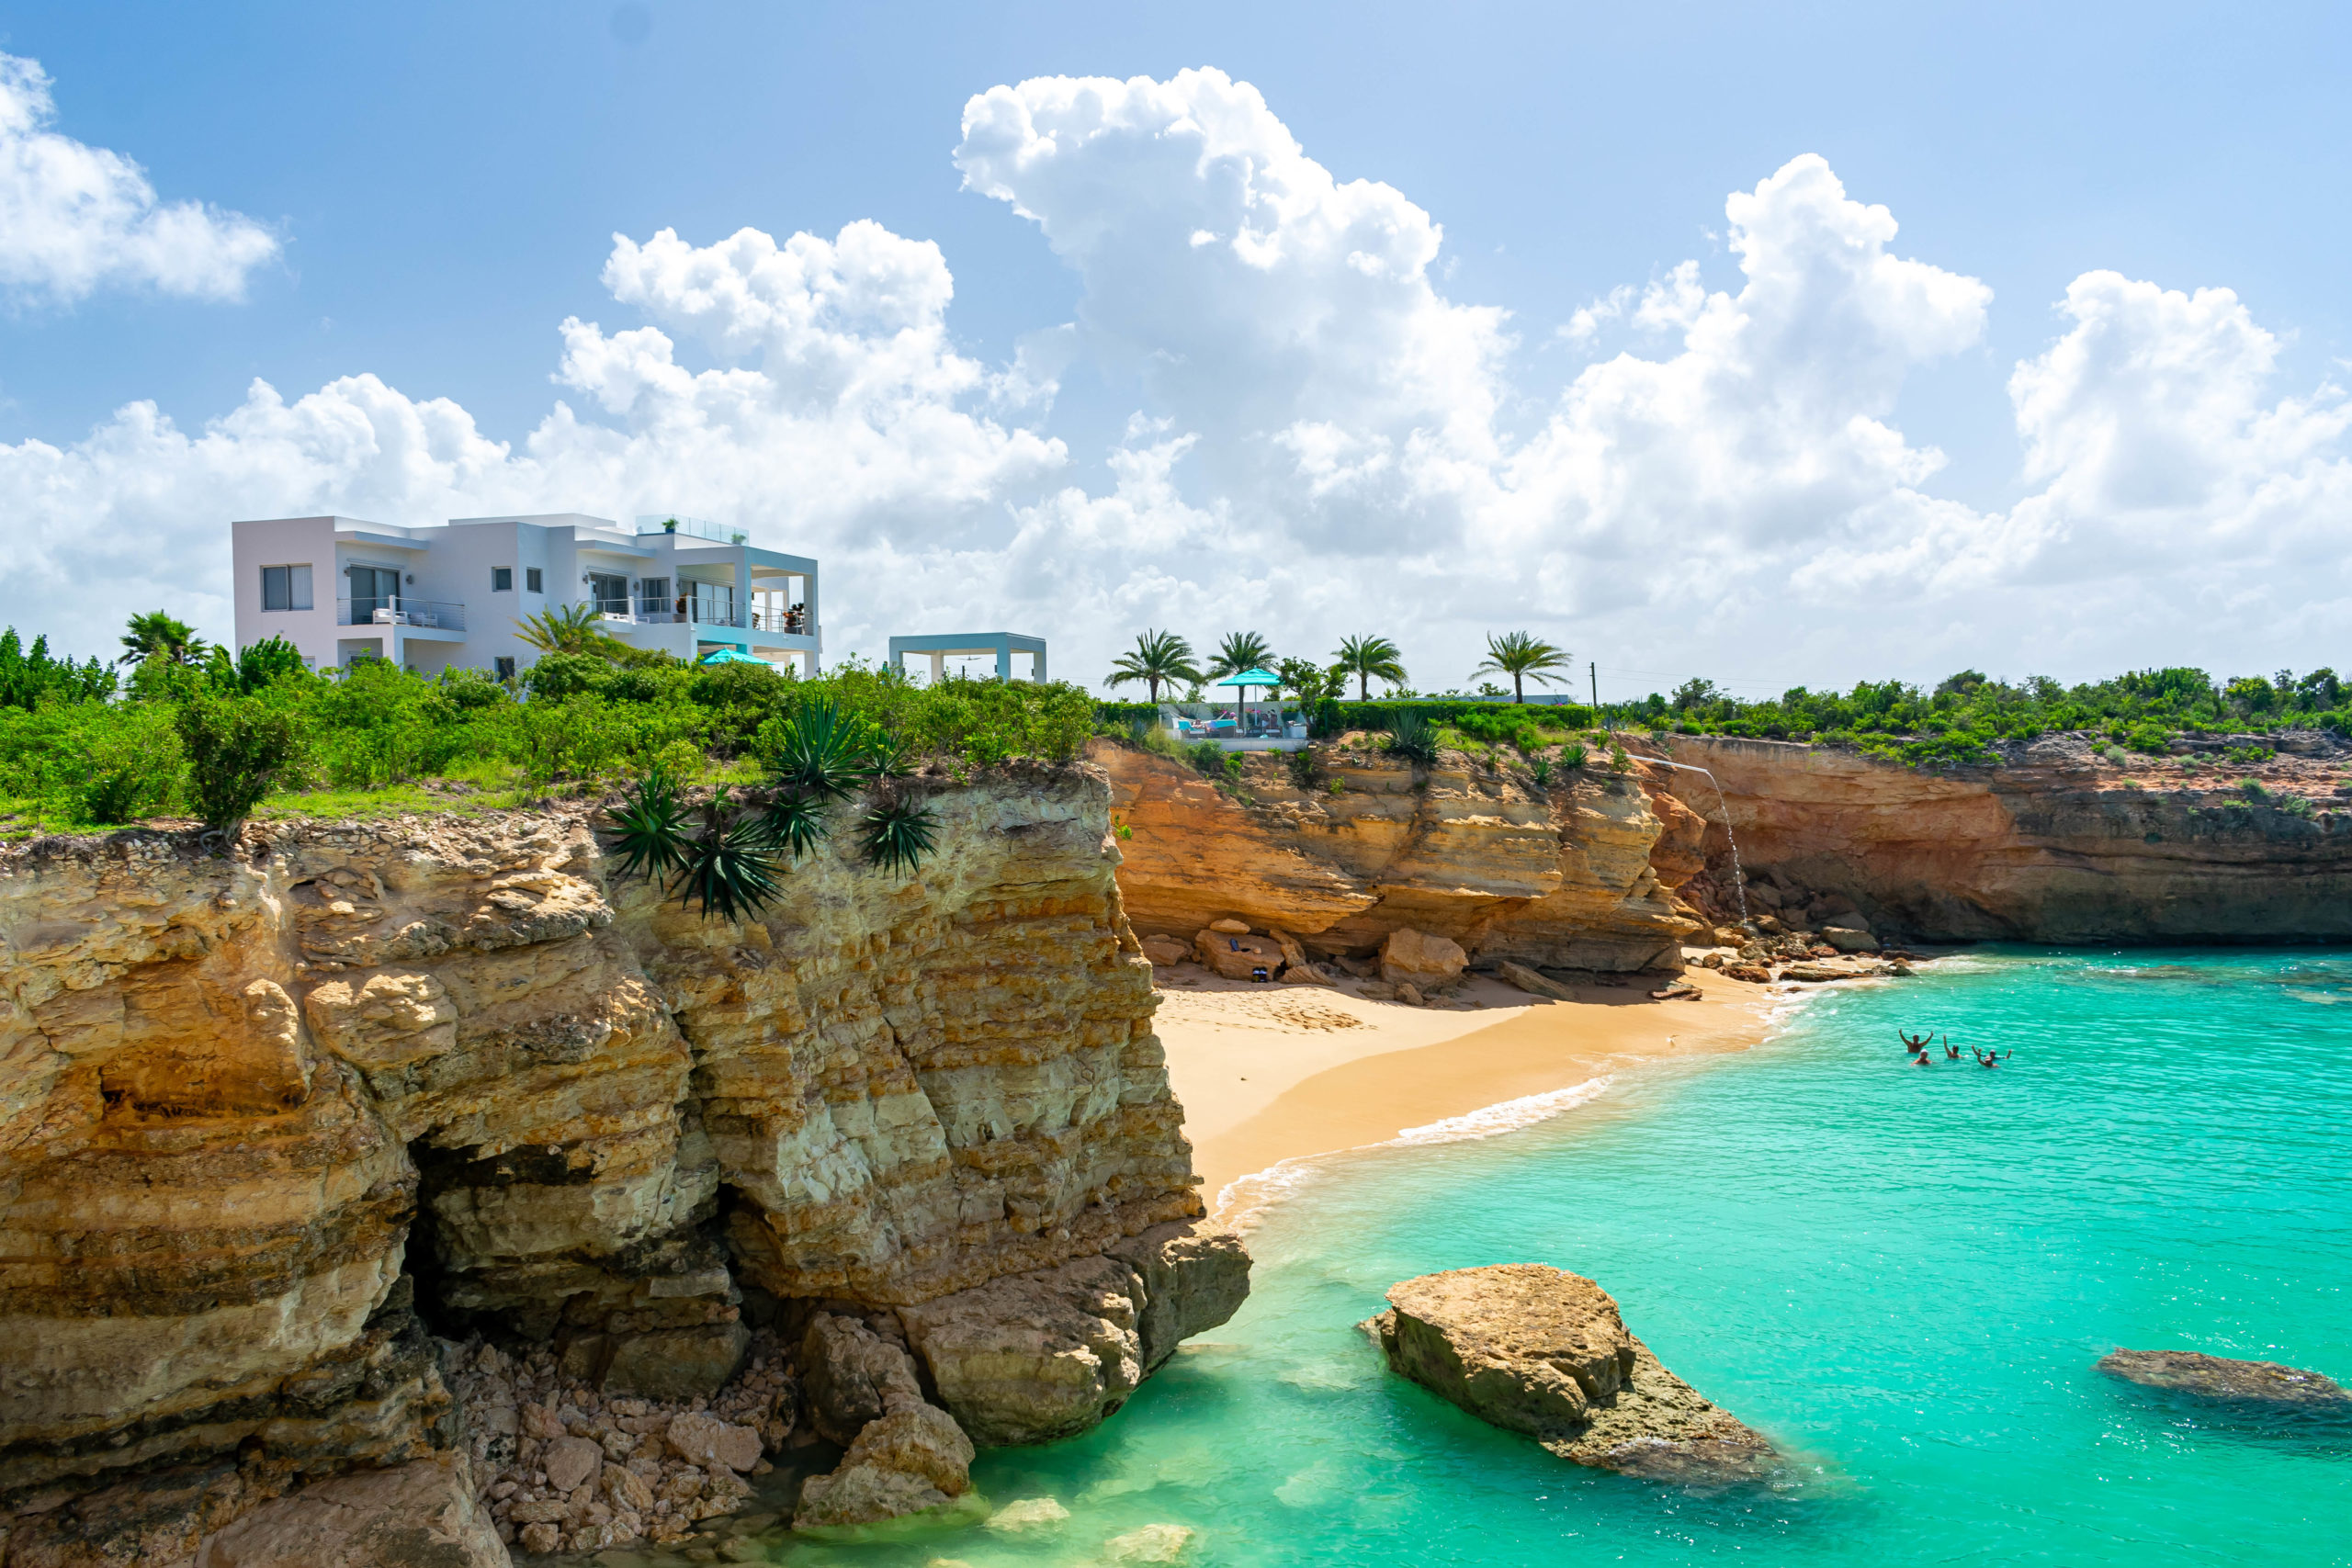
(729,656)
(1247,679)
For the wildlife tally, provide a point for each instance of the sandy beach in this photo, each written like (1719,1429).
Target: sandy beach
(1269,1073)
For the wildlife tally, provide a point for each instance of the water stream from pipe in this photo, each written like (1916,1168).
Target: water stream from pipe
(1738,877)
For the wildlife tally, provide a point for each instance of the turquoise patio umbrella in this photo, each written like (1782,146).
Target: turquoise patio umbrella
(1246,680)
(729,656)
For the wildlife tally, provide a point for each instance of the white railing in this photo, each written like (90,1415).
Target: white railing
(399,610)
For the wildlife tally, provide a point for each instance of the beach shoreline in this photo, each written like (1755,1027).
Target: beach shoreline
(1269,1075)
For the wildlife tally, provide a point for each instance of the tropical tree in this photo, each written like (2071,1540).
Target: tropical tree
(1522,657)
(157,635)
(1370,658)
(1241,651)
(1156,657)
(569,628)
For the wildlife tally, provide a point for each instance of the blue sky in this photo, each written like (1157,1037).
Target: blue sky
(444,184)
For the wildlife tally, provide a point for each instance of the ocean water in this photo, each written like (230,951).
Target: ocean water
(1904,1276)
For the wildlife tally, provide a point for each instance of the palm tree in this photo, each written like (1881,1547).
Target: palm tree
(1520,656)
(1157,656)
(1240,651)
(1367,656)
(158,635)
(572,628)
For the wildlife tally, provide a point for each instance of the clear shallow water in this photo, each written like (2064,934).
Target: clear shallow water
(1903,1274)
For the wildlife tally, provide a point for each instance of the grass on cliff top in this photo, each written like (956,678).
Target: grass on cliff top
(378,742)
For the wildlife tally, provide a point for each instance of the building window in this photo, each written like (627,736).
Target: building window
(502,580)
(286,588)
(506,668)
(532,579)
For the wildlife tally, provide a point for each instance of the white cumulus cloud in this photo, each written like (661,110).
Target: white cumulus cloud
(74,218)
(1324,442)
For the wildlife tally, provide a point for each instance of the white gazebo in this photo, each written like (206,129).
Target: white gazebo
(1004,645)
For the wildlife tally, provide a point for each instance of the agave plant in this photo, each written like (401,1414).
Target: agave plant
(899,834)
(820,755)
(1413,738)
(650,831)
(728,864)
(793,822)
(885,755)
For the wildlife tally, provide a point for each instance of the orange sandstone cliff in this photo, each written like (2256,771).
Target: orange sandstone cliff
(2061,841)
(1579,875)
(272,1124)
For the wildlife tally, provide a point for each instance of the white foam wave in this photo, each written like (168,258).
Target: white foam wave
(1245,1199)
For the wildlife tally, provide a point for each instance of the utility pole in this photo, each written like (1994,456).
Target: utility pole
(1594,671)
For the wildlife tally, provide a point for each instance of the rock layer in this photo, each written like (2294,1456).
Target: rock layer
(2059,842)
(257,1112)
(1579,875)
(1545,1353)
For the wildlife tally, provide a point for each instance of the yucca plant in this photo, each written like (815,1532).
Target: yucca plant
(899,833)
(1413,738)
(728,864)
(793,822)
(821,753)
(650,829)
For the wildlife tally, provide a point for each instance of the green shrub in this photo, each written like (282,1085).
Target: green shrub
(1572,755)
(238,749)
(559,675)
(1413,738)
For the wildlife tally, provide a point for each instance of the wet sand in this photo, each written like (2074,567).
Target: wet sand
(1272,1072)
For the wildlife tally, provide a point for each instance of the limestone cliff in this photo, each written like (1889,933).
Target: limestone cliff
(1578,875)
(2058,842)
(251,1106)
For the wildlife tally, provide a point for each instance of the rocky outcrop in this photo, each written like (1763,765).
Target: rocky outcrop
(2057,842)
(265,1117)
(2266,1384)
(1579,875)
(419,1515)
(1538,1351)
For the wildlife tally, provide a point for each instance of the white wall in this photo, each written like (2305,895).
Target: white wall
(288,541)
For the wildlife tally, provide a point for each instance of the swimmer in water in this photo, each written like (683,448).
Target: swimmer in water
(1923,1060)
(1952,1051)
(1914,1046)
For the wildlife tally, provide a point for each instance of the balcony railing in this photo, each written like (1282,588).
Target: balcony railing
(398,610)
(704,612)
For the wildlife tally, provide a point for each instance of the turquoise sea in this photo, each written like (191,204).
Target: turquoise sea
(1903,1275)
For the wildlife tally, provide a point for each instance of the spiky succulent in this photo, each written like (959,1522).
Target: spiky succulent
(1413,738)
(820,753)
(885,755)
(794,823)
(897,834)
(652,829)
(729,864)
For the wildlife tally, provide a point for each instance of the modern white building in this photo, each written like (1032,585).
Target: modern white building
(434,598)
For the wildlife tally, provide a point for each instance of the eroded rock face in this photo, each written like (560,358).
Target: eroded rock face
(419,1515)
(1579,876)
(250,1105)
(1541,1352)
(912,1462)
(1038,1356)
(2217,1378)
(2056,844)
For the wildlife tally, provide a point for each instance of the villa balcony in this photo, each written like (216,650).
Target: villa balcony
(416,617)
(704,612)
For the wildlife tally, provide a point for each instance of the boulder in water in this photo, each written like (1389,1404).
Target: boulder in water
(2217,1378)
(1537,1350)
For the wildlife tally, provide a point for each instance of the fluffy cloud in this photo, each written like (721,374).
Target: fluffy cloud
(1327,444)
(76,217)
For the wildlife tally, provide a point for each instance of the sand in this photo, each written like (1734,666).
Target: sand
(1269,1073)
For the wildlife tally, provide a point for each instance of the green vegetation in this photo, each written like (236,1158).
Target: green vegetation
(194,731)
(1961,718)
(1370,659)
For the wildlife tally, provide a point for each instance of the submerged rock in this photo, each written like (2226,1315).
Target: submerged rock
(2221,1379)
(1539,1351)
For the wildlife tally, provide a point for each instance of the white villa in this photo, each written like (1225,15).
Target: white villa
(432,598)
